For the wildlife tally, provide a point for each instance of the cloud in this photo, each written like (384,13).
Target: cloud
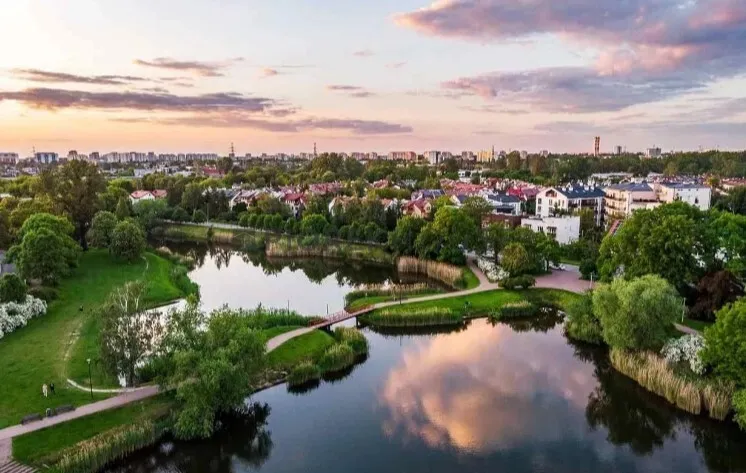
(55,99)
(199,68)
(396,65)
(351,90)
(650,49)
(37,75)
(495,110)
(269,72)
(364,53)
(155,90)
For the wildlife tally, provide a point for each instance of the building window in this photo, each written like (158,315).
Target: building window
(552,230)
(538,201)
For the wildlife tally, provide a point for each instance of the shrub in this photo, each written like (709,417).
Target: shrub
(45,293)
(304,373)
(686,349)
(102,227)
(198,216)
(254,243)
(14,315)
(515,259)
(514,310)
(725,343)
(181,280)
(354,338)
(12,288)
(582,324)
(127,240)
(518,282)
(739,404)
(637,314)
(336,358)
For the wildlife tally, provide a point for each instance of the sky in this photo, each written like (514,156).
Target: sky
(354,75)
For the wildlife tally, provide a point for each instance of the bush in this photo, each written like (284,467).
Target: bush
(244,220)
(14,315)
(582,324)
(12,288)
(587,268)
(686,349)
(725,343)
(336,358)
(518,282)
(199,216)
(739,405)
(515,259)
(303,373)
(102,227)
(354,338)
(179,215)
(45,293)
(127,240)
(514,310)
(181,280)
(637,314)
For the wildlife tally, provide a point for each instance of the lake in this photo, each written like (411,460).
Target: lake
(485,398)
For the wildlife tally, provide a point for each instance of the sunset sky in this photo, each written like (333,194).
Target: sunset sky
(352,75)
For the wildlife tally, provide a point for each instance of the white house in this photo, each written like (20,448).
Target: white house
(623,199)
(698,195)
(565,230)
(570,199)
(139,196)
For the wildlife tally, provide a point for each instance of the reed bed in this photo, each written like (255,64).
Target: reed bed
(447,273)
(94,454)
(292,248)
(354,338)
(304,373)
(433,316)
(654,374)
(336,358)
(514,310)
(263,318)
(381,290)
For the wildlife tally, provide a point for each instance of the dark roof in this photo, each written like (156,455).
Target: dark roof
(632,187)
(679,185)
(580,192)
(504,198)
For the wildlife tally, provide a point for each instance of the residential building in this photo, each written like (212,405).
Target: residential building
(296,201)
(419,208)
(140,196)
(653,153)
(698,195)
(467,156)
(402,156)
(428,194)
(565,229)
(437,157)
(730,184)
(503,203)
(622,199)
(160,193)
(8,158)
(45,157)
(486,155)
(570,199)
(325,188)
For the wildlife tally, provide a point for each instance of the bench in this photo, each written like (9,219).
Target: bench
(64,408)
(30,418)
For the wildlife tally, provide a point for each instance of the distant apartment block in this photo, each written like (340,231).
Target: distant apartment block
(8,158)
(45,157)
(486,155)
(565,230)
(570,199)
(468,156)
(437,157)
(524,155)
(402,156)
(653,153)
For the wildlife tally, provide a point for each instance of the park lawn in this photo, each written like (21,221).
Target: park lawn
(275,331)
(160,290)
(366,301)
(309,346)
(698,325)
(44,445)
(36,354)
(470,279)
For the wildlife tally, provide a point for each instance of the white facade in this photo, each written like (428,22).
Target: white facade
(565,230)
(8,158)
(570,199)
(623,199)
(437,157)
(693,194)
(45,158)
(653,153)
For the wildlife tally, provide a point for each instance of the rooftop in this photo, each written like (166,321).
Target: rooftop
(581,192)
(632,187)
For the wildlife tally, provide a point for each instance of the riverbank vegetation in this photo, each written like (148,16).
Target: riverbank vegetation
(514,310)
(414,317)
(446,273)
(386,292)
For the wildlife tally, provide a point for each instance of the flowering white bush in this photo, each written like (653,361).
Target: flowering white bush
(686,349)
(14,315)
(493,272)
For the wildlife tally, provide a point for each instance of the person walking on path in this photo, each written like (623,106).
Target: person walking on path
(51,388)
(44,390)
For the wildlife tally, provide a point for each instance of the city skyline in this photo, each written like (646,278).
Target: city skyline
(390,75)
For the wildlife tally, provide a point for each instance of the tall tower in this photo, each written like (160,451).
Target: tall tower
(314,149)
(597,146)
(233,152)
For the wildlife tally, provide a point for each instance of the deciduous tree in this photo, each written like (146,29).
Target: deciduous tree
(102,228)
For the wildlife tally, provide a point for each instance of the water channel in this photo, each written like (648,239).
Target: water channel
(486,398)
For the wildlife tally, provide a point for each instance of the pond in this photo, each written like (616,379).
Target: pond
(308,286)
(485,398)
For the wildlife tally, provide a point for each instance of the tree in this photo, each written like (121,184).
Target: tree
(477,208)
(272,205)
(58,225)
(149,212)
(75,188)
(102,228)
(212,371)
(12,288)
(447,236)
(515,260)
(5,235)
(730,233)
(735,201)
(109,200)
(225,165)
(715,290)
(192,198)
(123,208)
(582,324)
(313,224)
(46,255)
(198,216)
(127,240)
(180,215)
(496,238)
(725,343)
(402,239)
(637,314)
(128,332)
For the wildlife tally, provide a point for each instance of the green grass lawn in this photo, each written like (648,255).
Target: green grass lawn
(470,278)
(697,325)
(43,445)
(306,347)
(275,331)
(366,301)
(39,353)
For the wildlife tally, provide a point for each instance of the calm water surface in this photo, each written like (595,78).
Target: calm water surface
(486,398)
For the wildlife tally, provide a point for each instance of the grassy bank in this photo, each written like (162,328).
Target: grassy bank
(45,446)
(56,345)
(307,347)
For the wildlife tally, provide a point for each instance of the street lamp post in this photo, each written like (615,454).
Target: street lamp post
(90,377)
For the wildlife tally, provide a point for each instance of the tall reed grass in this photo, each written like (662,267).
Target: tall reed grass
(354,338)
(336,358)
(379,290)
(304,373)
(433,316)
(292,248)
(264,318)
(94,454)
(444,272)
(513,310)
(654,374)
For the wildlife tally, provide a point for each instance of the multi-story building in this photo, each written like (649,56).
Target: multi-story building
(437,157)
(565,229)
(45,157)
(467,156)
(569,200)
(486,155)
(653,153)
(402,156)
(8,158)
(524,155)
(622,199)
(698,195)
